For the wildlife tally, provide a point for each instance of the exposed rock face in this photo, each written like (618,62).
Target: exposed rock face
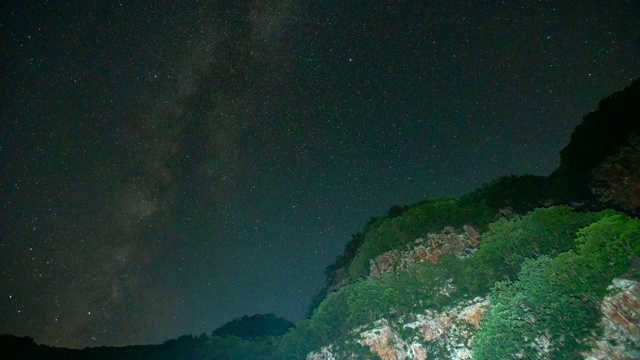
(448,241)
(385,342)
(324,354)
(620,323)
(616,181)
(452,331)
(432,335)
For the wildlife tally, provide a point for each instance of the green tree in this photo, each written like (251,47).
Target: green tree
(553,304)
(605,249)
(533,317)
(546,231)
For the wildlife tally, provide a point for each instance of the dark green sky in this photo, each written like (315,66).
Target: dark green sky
(166,168)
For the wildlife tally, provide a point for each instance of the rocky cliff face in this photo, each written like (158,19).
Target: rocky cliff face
(448,241)
(616,181)
(448,334)
(620,323)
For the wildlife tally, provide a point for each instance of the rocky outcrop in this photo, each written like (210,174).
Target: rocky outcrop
(616,182)
(450,333)
(324,354)
(620,323)
(387,344)
(448,241)
(446,334)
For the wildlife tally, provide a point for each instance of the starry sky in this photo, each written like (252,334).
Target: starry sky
(168,166)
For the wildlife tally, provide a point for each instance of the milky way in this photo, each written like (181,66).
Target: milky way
(166,168)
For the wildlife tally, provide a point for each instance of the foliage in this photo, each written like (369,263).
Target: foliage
(350,251)
(417,221)
(400,225)
(606,249)
(336,271)
(545,231)
(235,348)
(520,194)
(256,326)
(503,249)
(555,300)
(528,314)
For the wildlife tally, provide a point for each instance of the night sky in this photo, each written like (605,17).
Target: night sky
(165,168)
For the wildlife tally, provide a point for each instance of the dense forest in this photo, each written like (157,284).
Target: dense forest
(542,252)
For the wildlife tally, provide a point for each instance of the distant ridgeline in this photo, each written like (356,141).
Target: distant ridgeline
(255,327)
(187,347)
(526,266)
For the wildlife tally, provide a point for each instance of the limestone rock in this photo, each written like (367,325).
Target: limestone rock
(453,329)
(388,345)
(431,249)
(620,323)
(324,354)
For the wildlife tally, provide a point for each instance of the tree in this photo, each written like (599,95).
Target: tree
(552,307)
